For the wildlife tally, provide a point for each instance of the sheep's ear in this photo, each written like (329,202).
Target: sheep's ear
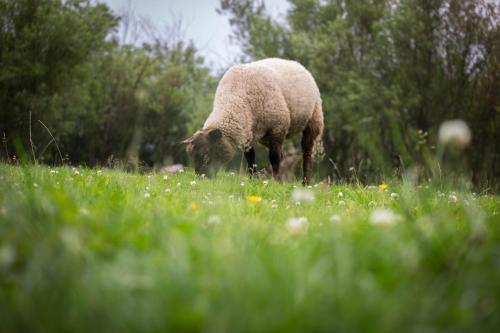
(215,134)
(187,141)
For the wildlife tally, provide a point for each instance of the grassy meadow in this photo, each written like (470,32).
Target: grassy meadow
(87,250)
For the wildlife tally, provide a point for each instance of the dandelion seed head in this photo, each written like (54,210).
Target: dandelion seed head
(454,132)
(384,216)
(305,196)
(394,196)
(296,224)
(335,218)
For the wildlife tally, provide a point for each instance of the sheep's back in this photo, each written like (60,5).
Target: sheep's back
(298,88)
(270,95)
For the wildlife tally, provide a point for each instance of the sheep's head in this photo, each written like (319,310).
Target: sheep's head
(208,149)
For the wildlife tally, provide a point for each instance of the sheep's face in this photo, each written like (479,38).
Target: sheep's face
(208,149)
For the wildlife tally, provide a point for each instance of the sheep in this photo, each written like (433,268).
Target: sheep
(264,101)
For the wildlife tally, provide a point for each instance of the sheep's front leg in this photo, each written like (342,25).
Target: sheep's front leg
(307,160)
(250,157)
(275,157)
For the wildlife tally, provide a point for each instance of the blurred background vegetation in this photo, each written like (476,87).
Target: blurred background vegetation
(390,72)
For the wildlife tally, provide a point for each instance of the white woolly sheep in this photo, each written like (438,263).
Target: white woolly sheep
(264,101)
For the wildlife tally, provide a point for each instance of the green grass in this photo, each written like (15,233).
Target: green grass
(103,251)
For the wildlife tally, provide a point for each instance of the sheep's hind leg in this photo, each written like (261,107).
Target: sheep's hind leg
(275,157)
(308,137)
(250,157)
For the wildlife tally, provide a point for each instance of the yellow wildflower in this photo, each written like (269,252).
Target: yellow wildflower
(193,205)
(383,186)
(254,198)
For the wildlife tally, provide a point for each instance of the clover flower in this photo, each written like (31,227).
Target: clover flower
(394,196)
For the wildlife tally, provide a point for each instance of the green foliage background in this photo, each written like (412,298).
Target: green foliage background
(389,71)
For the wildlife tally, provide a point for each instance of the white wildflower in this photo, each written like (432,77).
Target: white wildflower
(384,216)
(242,184)
(99,172)
(296,224)
(53,171)
(340,195)
(214,219)
(35,185)
(440,194)
(231,173)
(202,175)
(341,203)
(452,198)
(265,182)
(7,256)
(71,239)
(193,183)
(394,196)
(167,190)
(165,177)
(309,186)
(274,206)
(455,132)
(300,195)
(179,184)
(351,169)
(147,195)
(335,218)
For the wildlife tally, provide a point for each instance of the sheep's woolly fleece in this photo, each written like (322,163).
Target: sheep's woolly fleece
(265,101)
